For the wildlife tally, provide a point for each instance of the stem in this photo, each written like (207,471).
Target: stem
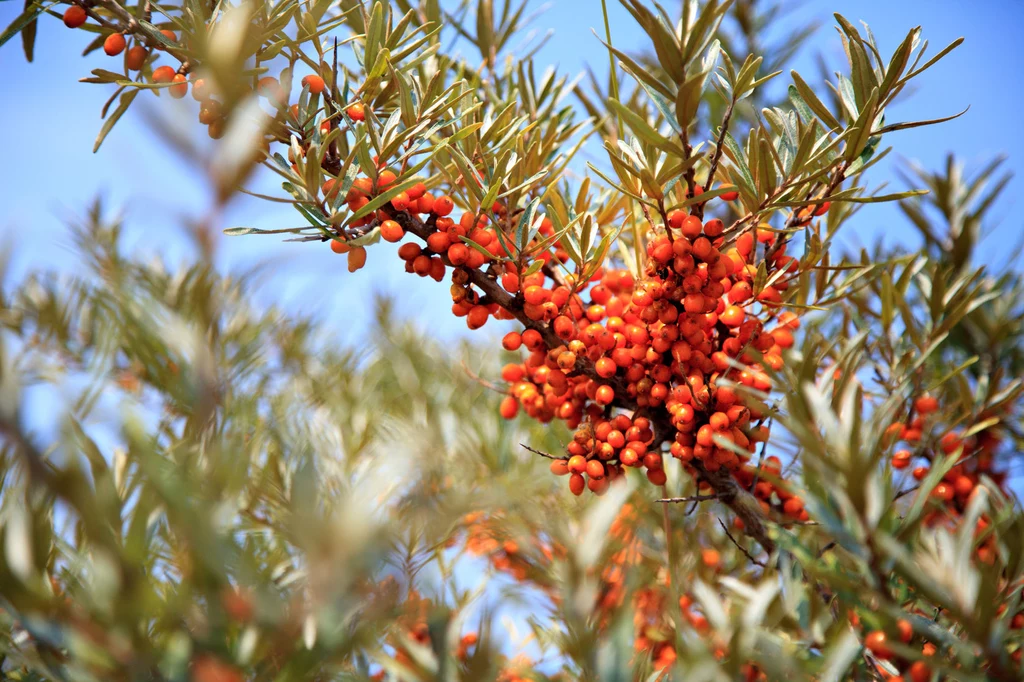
(719,148)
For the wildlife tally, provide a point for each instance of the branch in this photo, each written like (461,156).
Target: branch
(147,30)
(489,286)
(539,452)
(689,498)
(726,488)
(739,546)
(719,147)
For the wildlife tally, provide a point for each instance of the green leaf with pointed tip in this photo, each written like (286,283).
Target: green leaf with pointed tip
(27,17)
(808,97)
(126,100)
(239,231)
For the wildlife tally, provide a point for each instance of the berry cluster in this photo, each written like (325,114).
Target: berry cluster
(955,489)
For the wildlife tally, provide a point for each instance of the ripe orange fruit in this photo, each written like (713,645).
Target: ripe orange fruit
(731,195)
(926,404)
(732,316)
(356,112)
(216,129)
(919,672)
(391,231)
(136,58)
(512,341)
(75,16)
(443,205)
(559,467)
(163,74)
(356,258)
(509,409)
(315,84)
(170,35)
(200,90)
(605,395)
(905,629)
(877,643)
(577,484)
(577,464)
(710,557)
(114,44)
(180,87)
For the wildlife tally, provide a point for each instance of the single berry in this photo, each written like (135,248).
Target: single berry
(75,16)
(114,44)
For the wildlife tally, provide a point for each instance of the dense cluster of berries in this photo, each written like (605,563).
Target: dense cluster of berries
(880,644)
(956,487)
(677,344)
(676,347)
(484,539)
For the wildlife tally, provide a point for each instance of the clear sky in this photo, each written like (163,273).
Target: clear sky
(52,120)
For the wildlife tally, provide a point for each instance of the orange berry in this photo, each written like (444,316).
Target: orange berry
(963,486)
(114,44)
(170,35)
(477,317)
(710,557)
(75,16)
(926,404)
(458,254)
(180,87)
(315,84)
(604,395)
(793,506)
(163,74)
(919,672)
(338,246)
(356,112)
(605,367)
(877,643)
(657,476)
(356,258)
(577,464)
(691,227)
(943,491)
(443,205)
(731,195)
(559,467)
(216,129)
(509,408)
(732,316)
(512,341)
(577,484)
(416,191)
(905,630)
(136,58)
(390,231)
(595,469)
(200,90)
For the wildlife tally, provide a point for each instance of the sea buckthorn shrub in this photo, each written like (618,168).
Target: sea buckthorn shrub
(823,440)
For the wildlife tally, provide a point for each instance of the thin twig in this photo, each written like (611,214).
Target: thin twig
(483,382)
(689,498)
(719,147)
(539,452)
(741,547)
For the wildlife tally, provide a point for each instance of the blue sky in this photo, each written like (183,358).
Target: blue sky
(51,172)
